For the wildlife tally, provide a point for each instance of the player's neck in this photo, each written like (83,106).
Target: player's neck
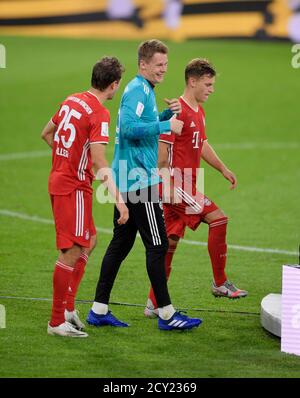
(146,77)
(190,100)
(101,96)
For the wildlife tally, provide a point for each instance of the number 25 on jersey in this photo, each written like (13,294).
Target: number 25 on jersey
(66,125)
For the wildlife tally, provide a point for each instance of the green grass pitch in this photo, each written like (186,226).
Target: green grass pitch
(253,123)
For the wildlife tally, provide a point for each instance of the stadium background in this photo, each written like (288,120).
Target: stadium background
(253,123)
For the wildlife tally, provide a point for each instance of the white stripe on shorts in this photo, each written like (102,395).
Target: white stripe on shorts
(79,213)
(152,223)
(189,200)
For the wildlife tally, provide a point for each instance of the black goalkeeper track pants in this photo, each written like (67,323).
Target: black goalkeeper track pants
(145,217)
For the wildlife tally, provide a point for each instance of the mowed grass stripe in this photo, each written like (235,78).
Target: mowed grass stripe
(227,146)
(28,217)
(132,305)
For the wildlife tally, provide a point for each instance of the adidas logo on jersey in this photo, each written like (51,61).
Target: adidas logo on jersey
(192,124)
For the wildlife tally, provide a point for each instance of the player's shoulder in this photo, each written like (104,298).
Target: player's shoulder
(185,110)
(138,86)
(184,106)
(100,114)
(84,101)
(70,97)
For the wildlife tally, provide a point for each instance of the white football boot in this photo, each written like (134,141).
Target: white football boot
(73,318)
(66,330)
(150,311)
(228,290)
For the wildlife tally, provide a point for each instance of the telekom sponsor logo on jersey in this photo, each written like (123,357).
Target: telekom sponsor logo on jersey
(187,189)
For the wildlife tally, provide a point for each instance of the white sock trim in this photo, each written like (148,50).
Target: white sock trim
(99,308)
(166,312)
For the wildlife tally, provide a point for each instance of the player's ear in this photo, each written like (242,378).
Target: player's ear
(192,82)
(114,85)
(142,64)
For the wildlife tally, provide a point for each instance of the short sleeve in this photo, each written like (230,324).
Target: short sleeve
(55,118)
(99,127)
(168,138)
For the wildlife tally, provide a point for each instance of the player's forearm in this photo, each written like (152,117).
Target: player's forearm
(48,139)
(210,157)
(48,133)
(104,174)
(140,130)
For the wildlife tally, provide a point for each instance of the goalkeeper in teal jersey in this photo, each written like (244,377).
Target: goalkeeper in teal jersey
(135,167)
(139,125)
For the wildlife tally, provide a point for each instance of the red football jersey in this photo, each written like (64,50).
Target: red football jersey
(81,121)
(185,151)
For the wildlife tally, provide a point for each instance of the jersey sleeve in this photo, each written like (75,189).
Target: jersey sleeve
(131,111)
(165,115)
(55,118)
(99,128)
(168,137)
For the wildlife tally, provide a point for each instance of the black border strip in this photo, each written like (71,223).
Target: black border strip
(56,20)
(101,16)
(227,7)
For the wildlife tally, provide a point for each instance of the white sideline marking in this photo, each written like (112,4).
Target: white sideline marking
(33,154)
(230,146)
(25,155)
(22,216)
(257,145)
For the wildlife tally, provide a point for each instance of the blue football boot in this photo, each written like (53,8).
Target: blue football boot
(104,320)
(179,322)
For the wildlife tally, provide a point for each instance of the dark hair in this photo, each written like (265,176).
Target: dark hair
(148,48)
(106,71)
(199,67)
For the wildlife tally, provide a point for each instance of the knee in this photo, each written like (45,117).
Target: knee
(93,242)
(70,256)
(173,242)
(216,217)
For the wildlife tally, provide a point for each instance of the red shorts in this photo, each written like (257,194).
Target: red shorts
(73,219)
(190,213)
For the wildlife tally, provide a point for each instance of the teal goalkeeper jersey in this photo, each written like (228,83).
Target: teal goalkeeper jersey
(138,128)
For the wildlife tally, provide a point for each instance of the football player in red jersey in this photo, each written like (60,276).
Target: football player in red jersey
(179,158)
(78,135)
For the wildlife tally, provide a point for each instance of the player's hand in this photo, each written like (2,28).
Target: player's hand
(230,176)
(124,213)
(176,125)
(174,105)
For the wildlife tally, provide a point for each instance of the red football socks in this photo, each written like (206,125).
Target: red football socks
(168,268)
(217,249)
(75,281)
(61,280)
